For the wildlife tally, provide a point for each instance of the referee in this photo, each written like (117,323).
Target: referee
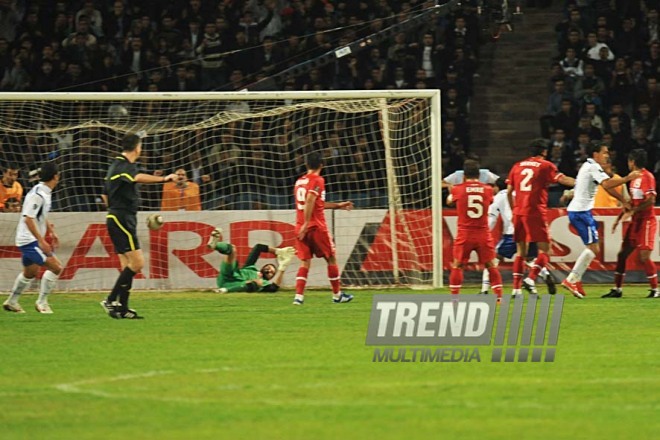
(122,198)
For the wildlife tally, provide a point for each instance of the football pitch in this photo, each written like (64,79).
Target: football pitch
(210,366)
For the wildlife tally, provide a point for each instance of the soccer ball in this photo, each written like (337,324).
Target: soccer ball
(155,222)
(117,111)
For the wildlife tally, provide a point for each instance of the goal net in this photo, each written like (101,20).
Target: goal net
(241,154)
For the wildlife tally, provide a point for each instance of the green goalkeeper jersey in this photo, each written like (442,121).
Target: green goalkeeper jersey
(236,279)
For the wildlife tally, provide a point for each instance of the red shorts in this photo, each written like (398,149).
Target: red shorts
(317,242)
(530,229)
(481,242)
(641,233)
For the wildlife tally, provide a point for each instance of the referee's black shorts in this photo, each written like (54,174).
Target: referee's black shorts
(122,229)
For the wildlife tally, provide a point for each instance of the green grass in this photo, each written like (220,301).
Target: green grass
(208,366)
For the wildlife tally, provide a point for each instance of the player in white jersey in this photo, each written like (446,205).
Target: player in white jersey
(31,234)
(591,175)
(485,176)
(506,247)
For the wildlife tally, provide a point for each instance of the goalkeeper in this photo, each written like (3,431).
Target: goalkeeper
(248,278)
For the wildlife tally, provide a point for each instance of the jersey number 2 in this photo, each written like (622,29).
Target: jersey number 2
(475,206)
(528,174)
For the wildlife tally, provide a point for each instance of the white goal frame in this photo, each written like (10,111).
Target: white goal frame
(435,137)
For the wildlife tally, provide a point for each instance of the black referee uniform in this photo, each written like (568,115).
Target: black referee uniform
(123,202)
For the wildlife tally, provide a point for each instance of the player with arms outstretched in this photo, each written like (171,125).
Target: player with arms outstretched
(312,234)
(248,278)
(641,233)
(472,199)
(590,175)
(33,227)
(529,179)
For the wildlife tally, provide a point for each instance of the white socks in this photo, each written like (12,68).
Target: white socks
(19,286)
(47,285)
(581,265)
(485,281)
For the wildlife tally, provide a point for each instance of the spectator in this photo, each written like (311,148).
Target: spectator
(182,195)
(626,42)
(593,48)
(429,57)
(621,84)
(46,80)
(16,77)
(11,14)
(574,42)
(567,118)
(10,188)
(118,24)
(93,16)
(650,96)
(557,97)
(649,32)
(170,34)
(585,126)
(82,30)
(591,110)
(214,73)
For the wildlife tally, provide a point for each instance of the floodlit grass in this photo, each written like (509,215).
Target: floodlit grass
(209,366)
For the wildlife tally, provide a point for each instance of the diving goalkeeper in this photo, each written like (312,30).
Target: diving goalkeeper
(248,278)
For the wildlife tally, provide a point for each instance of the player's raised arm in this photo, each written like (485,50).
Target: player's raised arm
(347,205)
(566,180)
(613,182)
(149,178)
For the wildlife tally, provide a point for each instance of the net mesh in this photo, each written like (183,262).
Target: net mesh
(241,159)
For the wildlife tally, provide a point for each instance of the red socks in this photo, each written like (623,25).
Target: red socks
(651,273)
(456,280)
(333,276)
(518,264)
(301,280)
(495,281)
(539,263)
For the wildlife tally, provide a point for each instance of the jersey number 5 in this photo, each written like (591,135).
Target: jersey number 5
(475,206)
(525,184)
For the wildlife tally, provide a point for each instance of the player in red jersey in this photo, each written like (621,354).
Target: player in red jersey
(312,234)
(472,199)
(641,233)
(529,179)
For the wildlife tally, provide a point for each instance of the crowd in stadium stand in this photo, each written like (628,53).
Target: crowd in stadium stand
(603,85)
(190,45)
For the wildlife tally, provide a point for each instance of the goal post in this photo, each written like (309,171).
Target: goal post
(241,153)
